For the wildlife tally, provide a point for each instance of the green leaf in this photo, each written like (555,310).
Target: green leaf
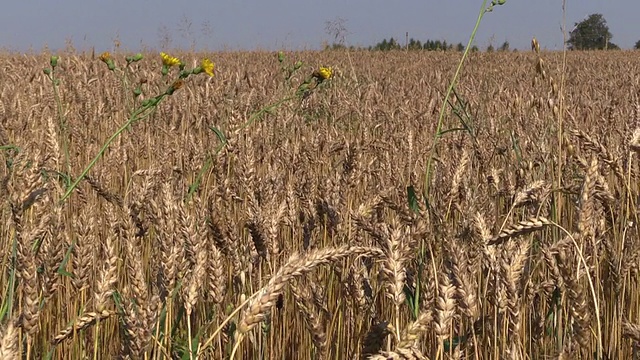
(443,132)
(410,298)
(9,147)
(65,260)
(451,345)
(412,199)
(8,293)
(219,134)
(208,162)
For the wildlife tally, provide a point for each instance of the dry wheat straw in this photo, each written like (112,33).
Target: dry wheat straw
(320,162)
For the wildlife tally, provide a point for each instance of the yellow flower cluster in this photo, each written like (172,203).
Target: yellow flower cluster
(105,56)
(207,66)
(325,72)
(322,74)
(169,61)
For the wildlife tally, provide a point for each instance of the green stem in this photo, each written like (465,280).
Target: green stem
(207,165)
(256,115)
(209,162)
(436,138)
(133,119)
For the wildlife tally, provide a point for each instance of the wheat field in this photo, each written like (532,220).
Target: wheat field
(314,234)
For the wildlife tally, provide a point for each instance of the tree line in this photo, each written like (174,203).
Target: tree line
(592,33)
(413,44)
(429,45)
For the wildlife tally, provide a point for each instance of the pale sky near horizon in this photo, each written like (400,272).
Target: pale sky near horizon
(287,24)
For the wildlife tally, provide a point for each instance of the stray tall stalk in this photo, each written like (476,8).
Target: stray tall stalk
(436,137)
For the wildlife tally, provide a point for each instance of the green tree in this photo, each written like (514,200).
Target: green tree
(591,34)
(637,45)
(504,47)
(429,45)
(415,44)
(383,45)
(386,45)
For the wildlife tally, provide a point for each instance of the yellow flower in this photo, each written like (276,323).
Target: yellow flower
(323,74)
(105,56)
(207,66)
(169,60)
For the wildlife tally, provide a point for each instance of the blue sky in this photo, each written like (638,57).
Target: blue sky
(300,24)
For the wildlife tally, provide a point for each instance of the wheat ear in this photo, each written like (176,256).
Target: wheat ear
(296,266)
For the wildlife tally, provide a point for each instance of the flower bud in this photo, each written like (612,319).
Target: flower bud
(280,56)
(47,72)
(175,86)
(302,88)
(106,58)
(297,65)
(54,61)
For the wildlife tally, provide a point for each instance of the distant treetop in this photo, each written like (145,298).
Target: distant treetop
(591,33)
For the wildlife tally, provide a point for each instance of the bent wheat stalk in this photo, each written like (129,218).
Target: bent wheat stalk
(296,266)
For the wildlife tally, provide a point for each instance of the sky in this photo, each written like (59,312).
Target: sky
(215,25)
